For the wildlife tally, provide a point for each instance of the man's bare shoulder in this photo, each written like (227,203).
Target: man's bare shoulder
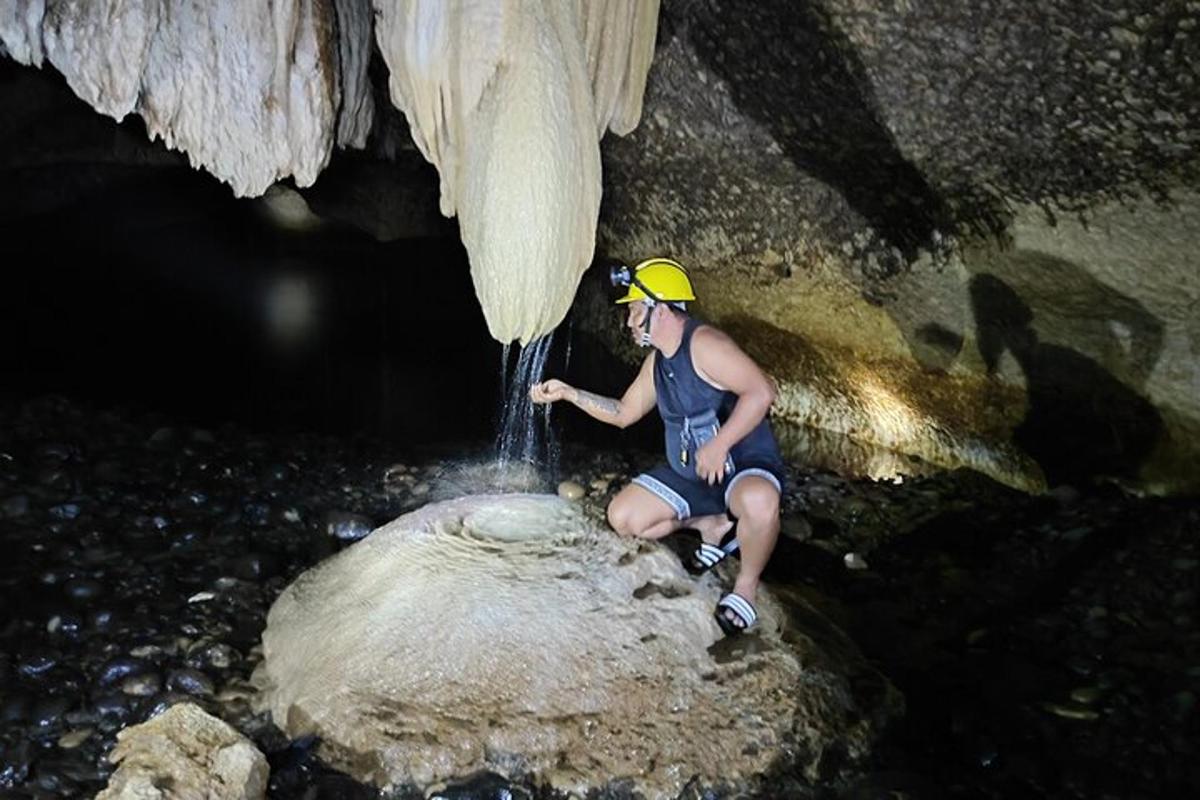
(707,337)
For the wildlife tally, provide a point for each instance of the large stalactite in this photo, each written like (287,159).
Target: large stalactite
(507,98)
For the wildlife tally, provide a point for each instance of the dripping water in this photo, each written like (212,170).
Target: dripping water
(521,438)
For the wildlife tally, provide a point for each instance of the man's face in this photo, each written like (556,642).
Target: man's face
(634,319)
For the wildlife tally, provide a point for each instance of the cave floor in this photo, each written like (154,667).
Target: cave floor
(1046,646)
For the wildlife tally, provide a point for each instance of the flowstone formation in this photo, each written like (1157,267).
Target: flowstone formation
(508,633)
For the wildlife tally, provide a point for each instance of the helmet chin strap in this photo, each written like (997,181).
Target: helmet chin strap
(645,340)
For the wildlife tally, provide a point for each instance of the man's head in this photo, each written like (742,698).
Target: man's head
(656,286)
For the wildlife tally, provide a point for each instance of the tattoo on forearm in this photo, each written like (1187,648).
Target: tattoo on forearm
(595,402)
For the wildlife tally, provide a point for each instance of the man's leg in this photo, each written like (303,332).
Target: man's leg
(637,511)
(754,500)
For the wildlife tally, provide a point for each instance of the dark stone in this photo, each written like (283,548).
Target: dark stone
(48,711)
(14,708)
(114,704)
(37,663)
(190,681)
(258,514)
(253,567)
(65,511)
(347,526)
(70,626)
(15,761)
(83,589)
(118,669)
(101,619)
(15,506)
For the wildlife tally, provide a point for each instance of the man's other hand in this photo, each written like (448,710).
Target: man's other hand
(550,391)
(710,461)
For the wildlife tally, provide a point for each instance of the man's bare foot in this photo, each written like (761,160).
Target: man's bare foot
(711,527)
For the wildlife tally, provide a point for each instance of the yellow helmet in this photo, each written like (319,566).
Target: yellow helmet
(665,280)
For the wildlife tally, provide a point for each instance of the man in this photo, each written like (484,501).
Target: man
(724,475)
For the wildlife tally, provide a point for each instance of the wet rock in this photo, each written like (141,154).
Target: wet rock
(15,761)
(15,506)
(570,490)
(347,526)
(253,566)
(218,656)
(190,681)
(48,711)
(144,685)
(72,739)
(117,669)
(65,511)
(36,663)
(189,750)
(112,705)
(83,589)
(14,708)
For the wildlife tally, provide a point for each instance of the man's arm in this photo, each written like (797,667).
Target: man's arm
(637,401)
(720,362)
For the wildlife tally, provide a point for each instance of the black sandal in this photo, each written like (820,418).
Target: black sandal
(707,556)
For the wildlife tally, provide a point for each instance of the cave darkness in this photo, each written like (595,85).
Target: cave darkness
(196,395)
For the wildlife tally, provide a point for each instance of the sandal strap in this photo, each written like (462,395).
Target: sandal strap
(709,555)
(739,606)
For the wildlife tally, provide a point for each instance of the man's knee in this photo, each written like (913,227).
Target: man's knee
(620,516)
(757,501)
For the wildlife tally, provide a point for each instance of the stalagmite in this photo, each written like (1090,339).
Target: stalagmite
(252,91)
(508,99)
(509,633)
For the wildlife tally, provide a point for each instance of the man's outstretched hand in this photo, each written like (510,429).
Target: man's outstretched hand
(550,391)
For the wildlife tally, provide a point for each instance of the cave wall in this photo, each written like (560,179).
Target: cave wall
(951,229)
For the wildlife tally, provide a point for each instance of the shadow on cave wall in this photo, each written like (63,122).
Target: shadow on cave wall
(789,68)
(1081,421)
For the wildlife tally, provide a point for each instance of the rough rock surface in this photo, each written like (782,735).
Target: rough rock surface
(283,81)
(508,100)
(888,156)
(507,633)
(185,753)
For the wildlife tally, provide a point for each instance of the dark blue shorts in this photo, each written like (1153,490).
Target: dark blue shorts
(692,497)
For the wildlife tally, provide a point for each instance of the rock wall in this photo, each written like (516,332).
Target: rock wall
(859,185)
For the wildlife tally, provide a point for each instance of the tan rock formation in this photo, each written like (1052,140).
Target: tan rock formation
(252,91)
(508,99)
(185,754)
(508,633)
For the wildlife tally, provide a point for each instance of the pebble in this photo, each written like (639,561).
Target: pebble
(15,506)
(854,561)
(72,739)
(190,681)
(65,511)
(47,711)
(1086,695)
(37,663)
(219,656)
(347,526)
(83,589)
(570,490)
(120,668)
(1071,711)
(142,685)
